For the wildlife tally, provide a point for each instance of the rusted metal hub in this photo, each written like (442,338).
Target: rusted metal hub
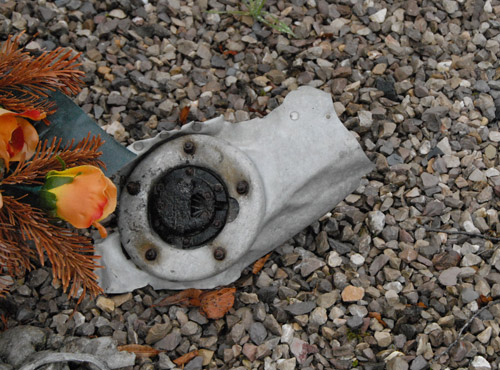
(188,206)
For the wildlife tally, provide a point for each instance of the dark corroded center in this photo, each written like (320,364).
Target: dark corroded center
(188,206)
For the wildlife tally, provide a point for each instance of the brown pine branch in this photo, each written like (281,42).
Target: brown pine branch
(25,80)
(45,159)
(71,255)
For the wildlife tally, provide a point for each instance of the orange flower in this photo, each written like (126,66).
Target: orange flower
(18,138)
(81,195)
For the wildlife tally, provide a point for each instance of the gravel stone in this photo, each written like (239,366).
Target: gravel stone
(416,84)
(258,333)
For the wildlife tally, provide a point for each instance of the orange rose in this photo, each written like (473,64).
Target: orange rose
(81,195)
(18,138)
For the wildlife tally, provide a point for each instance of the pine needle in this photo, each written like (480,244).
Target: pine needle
(25,80)
(71,255)
(45,159)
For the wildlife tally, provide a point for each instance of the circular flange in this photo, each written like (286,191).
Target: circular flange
(218,169)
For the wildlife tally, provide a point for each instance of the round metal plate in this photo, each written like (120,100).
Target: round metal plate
(214,162)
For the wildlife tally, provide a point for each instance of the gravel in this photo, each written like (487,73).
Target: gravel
(416,82)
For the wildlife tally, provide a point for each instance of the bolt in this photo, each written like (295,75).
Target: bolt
(242,187)
(186,242)
(218,188)
(133,188)
(189,147)
(190,171)
(217,224)
(151,254)
(208,195)
(219,253)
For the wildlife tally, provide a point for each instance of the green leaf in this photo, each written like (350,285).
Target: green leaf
(55,181)
(47,200)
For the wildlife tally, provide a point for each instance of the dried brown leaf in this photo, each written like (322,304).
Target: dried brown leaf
(25,79)
(184,359)
(183,115)
(140,350)
(188,298)
(45,159)
(259,264)
(378,317)
(71,255)
(215,304)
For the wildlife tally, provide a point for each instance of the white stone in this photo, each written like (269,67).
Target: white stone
(334,260)
(288,364)
(339,108)
(395,286)
(365,118)
(480,363)
(379,17)
(357,259)
(287,333)
(117,130)
(383,338)
(376,221)
(117,13)
(485,335)
(451,161)
(494,136)
(318,316)
(444,66)
(392,297)
(470,228)
(492,172)
(444,145)
(477,175)
(450,6)
(470,260)
(487,6)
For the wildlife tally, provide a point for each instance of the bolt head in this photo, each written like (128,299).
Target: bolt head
(133,187)
(242,187)
(219,253)
(189,147)
(151,254)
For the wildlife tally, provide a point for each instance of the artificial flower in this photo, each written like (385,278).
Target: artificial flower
(18,138)
(81,195)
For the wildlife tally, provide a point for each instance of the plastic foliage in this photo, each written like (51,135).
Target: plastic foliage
(30,235)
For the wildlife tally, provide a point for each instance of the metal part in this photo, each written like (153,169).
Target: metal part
(183,206)
(189,147)
(133,188)
(219,253)
(242,187)
(151,254)
(275,176)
